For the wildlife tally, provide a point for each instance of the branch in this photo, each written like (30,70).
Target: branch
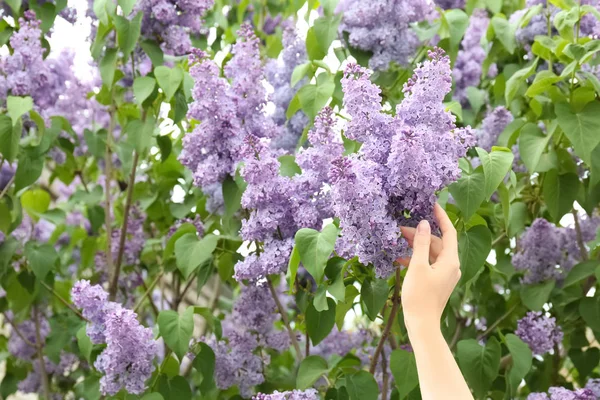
(38,338)
(285,320)
(65,302)
(112,291)
(582,250)
(498,239)
(147,293)
(107,210)
(19,333)
(390,322)
(460,325)
(8,185)
(385,376)
(497,322)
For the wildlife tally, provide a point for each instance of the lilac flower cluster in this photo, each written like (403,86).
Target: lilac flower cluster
(450,4)
(279,74)
(21,348)
(228,112)
(539,332)
(492,126)
(469,62)
(549,252)
(309,394)
(127,360)
(594,386)
(404,160)
(33,382)
(173,21)
(382,27)
(249,328)
(559,393)
(281,205)
(196,221)
(537,25)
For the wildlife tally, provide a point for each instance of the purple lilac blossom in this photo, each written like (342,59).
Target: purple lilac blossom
(373,190)
(196,222)
(594,386)
(19,347)
(588,228)
(492,126)
(539,332)
(382,27)
(450,4)
(559,393)
(309,394)
(7,172)
(127,360)
(469,62)
(33,382)
(279,74)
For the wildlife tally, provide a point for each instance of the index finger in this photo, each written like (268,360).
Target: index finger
(449,241)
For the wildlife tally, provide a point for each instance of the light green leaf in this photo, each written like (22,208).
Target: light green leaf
(560,191)
(479,364)
(311,369)
(326,30)
(505,32)
(41,257)
(374,294)
(17,106)
(35,202)
(313,98)
(532,144)
(581,128)
(204,362)
(495,167)
(300,72)
(543,80)
(9,138)
(191,252)
(128,32)
(84,343)
(521,361)
(293,265)
(581,271)
(404,370)
(168,79)
(315,247)
(467,192)
(589,308)
(127,6)
(474,246)
(343,307)
(517,79)
(457,22)
(535,296)
(362,386)
(143,86)
(108,64)
(177,329)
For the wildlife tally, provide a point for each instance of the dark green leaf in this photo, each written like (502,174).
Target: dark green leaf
(479,364)
(560,191)
(362,386)
(467,192)
(9,139)
(404,370)
(495,167)
(535,296)
(374,294)
(319,324)
(474,246)
(589,308)
(521,361)
(311,369)
(204,362)
(585,361)
(41,257)
(581,271)
(143,86)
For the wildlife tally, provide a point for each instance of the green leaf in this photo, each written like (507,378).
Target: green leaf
(374,294)
(128,32)
(543,81)
(300,72)
(362,386)
(457,21)
(314,97)
(174,388)
(293,265)
(517,79)
(581,128)
(474,246)
(127,6)
(41,257)
(29,169)
(143,86)
(35,202)
(154,52)
(169,80)
(108,64)
(15,5)
(535,296)
(7,250)
(467,192)
(326,31)
(9,138)
(319,324)
(140,134)
(153,396)
(84,343)
(103,9)
(581,271)
(288,166)
(191,252)
(560,191)
(17,106)
(343,307)
(311,369)
(589,308)
(532,144)
(505,32)
(335,275)
(521,361)
(495,167)
(313,48)
(315,247)
(479,364)
(564,22)
(233,190)
(177,329)
(404,369)
(204,362)
(585,361)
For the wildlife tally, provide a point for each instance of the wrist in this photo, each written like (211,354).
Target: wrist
(418,327)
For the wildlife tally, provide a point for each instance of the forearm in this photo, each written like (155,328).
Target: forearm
(439,375)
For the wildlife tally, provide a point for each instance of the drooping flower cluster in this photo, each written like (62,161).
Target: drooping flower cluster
(594,386)
(280,205)
(309,394)
(21,348)
(537,25)
(228,112)
(492,126)
(539,332)
(197,222)
(127,360)
(279,74)
(248,329)
(404,160)
(173,21)
(559,393)
(382,27)
(450,4)
(33,382)
(469,62)
(549,252)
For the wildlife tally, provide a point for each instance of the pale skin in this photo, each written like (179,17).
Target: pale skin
(433,272)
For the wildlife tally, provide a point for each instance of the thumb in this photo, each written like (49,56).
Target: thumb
(421,244)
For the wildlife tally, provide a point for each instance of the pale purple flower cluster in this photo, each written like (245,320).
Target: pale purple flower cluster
(404,160)
(281,205)
(537,25)
(492,126)
(33,382)
(469,62)
(450,4)
(227,111)
(173,21)
(279,74)
(248,329)
(19,347)
(7,172)
(127,360)
(539,332)
(382,27)
(196,221)
(341,343)
(309,394)
(559,393)
(549,252)
(594,386)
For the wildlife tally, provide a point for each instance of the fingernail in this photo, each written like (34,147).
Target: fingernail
(423,227)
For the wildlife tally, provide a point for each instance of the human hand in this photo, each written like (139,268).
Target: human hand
(433,272)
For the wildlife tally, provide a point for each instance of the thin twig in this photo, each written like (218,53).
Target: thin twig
(307,345)
(8,185)
(497,322)
(107,209)
(181,295)
(285,320)
(112,292)
(82,180)
(498,239)
(390,322)
(19,333)
(582,250)
(148,290)
(384,392)
(459,328)
(38,338)
(65,302)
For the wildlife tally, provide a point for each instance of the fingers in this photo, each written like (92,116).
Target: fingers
(449,241)
(421,244)
(436,243)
